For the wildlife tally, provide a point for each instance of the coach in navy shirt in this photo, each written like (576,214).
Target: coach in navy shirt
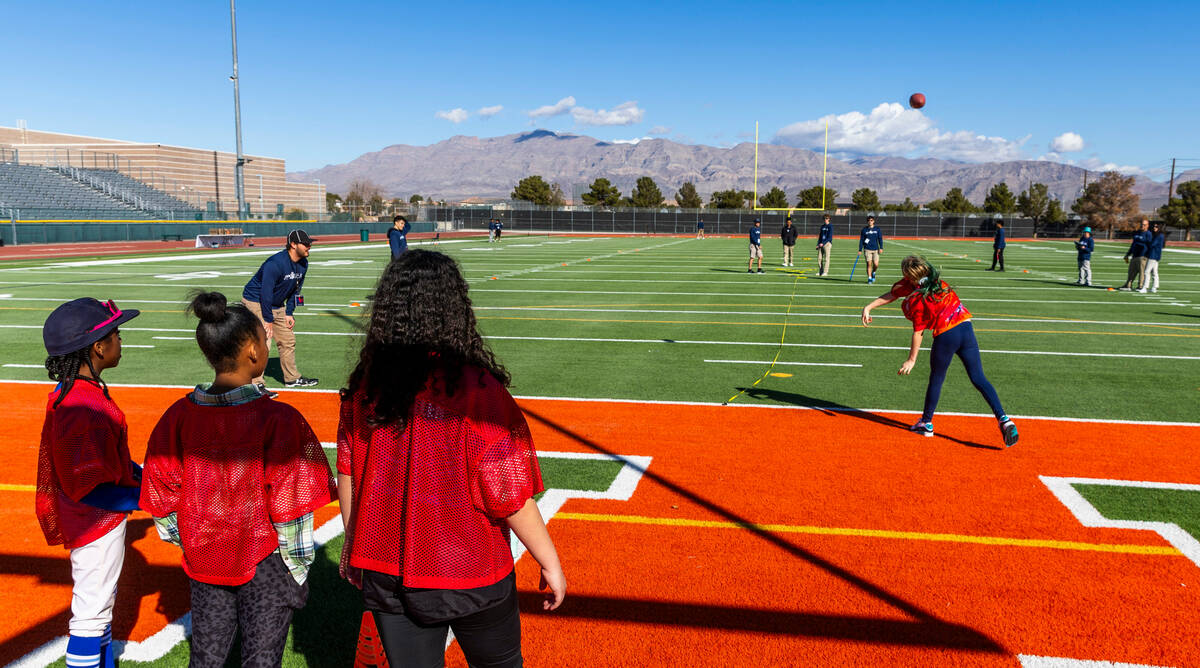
(870,241)
(998,245)
(398,235)
(824,247)
(1137,251)
(755,247)
(273,294)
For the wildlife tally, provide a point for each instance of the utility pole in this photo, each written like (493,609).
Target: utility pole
(238,179)
(1171,187)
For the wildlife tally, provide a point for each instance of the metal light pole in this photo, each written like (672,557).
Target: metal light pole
(260,196)
(238,179)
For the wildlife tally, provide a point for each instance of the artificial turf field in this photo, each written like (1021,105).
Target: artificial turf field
(799,525)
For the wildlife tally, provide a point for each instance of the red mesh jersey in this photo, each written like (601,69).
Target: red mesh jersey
(84,443)
(229,472)
(940,312)
(430,500)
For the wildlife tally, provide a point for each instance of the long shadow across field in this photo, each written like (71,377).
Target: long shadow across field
(925,629)
(832,408)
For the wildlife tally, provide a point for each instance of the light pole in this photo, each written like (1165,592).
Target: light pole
(260,197)
(238,179)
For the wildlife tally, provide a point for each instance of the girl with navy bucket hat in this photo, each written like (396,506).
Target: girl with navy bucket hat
(86,482)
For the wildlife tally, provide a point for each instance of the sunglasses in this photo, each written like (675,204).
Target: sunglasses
(115,314)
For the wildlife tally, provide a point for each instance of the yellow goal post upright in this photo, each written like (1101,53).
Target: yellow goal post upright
(824,171)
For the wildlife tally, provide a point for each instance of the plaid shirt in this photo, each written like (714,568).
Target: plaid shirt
(296,543)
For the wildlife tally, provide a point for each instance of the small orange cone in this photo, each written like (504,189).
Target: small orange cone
(493,278)
(1025,270)
(370,652)
(564,264)
(1110,289)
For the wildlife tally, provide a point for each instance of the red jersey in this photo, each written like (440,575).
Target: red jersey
(430,499)
(229,472)
(85,443)
(939,312)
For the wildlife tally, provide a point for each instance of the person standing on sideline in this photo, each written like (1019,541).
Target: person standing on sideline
(1154,251)
(491,230)
(499,229)
(788,234)
(86,482)
(931,304)
(398,235)
(755,247)
(1084,246)
(273,294)
(870,241)
(1137,251)
(998,245)
(824,247)
(700,228)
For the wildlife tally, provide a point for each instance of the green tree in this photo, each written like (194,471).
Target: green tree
(1055,213)
(1108,202)
(415,199)
(865,199)
(375,204)
(955,202)
(725,199)
(1035,204)
(908,206)
(817,197)
(533,189)
(1000,199)
(333,202)
(646,194)
(602,193)
(1183,211)
(295,214)
(687,197)
(774,199)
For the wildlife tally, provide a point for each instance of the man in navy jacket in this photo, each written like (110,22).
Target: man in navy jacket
(398,235)
(998,245)
(1084,247)
(870,241)
(824,247)
(1154,251)
(273,294)
(1137,251)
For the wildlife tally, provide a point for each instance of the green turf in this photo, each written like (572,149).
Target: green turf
(1139,504)
(665,305)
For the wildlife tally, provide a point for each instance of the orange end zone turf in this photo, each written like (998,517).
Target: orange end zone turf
(762,536)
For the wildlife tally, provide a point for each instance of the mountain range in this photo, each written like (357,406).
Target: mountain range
(464,168)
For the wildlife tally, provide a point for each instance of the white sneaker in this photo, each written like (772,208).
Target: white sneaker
(1143,290)
(1154,290)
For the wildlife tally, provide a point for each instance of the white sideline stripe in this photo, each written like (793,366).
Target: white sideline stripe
(173,338)
(894,411)
(1088,516)
(134,345)
(769,362)
(24,366)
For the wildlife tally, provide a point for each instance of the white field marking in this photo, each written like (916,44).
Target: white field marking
(25,366)
(831,345)
(1182,250)
(191,275)
(609,400)
(770,363)
(1031,661)
(173,338)
(1088,516)
(6,296)
(133,345)
(528,270)
(158,645)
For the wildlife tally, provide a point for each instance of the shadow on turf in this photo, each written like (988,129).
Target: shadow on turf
(925,629)
(833,408)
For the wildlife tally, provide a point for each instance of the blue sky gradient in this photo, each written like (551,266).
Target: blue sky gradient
(324,83)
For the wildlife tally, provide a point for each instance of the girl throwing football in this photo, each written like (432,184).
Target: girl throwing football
(931,304)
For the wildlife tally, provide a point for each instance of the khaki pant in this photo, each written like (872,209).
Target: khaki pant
(823,259)
(285,341)
(787,254)
(1137,269)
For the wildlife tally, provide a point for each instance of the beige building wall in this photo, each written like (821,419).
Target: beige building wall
(195,176)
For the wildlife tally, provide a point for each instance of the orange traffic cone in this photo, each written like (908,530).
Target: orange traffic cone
(370,652)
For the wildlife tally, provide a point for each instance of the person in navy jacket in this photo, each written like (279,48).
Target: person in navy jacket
(824,247)
(273,294)
(788,235)
(1084,247)
(398,235)
(998,245)
(1137,251)
(755,247)
(870,241)
(1154,251)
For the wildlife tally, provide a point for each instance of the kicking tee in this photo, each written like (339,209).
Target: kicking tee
(940,312)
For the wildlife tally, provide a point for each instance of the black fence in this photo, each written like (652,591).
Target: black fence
(41,233)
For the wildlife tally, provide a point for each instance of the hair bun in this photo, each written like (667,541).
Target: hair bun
(209,306)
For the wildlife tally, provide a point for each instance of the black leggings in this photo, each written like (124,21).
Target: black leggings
(958,340)
(490,637)
(997,256)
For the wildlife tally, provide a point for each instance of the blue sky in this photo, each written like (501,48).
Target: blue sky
(322,83)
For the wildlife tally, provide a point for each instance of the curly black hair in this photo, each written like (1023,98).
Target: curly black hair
(421,322)
(64,369)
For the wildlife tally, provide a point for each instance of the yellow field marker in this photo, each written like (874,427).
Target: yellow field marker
(8,487)
(877,533)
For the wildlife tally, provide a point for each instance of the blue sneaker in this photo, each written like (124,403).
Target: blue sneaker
(922,427)
(1009,430)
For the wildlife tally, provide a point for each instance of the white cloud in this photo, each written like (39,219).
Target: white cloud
(660,130)
(629,141)
(488,112)
(626,113)
(891,129)
(454,115)
(1097,165)
(1067,142)
(557,109)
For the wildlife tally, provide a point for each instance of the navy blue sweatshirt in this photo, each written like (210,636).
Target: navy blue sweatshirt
(1085,246)
(398,239)
(1139,245)
(998,240)
(1155,247)
(870,239)
(756,236)
(825,236)
(276,284)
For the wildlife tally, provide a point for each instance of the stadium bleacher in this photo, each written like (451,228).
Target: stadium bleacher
(153,198)
(64,192)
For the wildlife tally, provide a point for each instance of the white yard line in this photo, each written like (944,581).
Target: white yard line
(770,363)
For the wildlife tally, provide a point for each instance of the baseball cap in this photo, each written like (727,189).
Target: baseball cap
(1087,229)
(757,220)
(80,323)
(300,237)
